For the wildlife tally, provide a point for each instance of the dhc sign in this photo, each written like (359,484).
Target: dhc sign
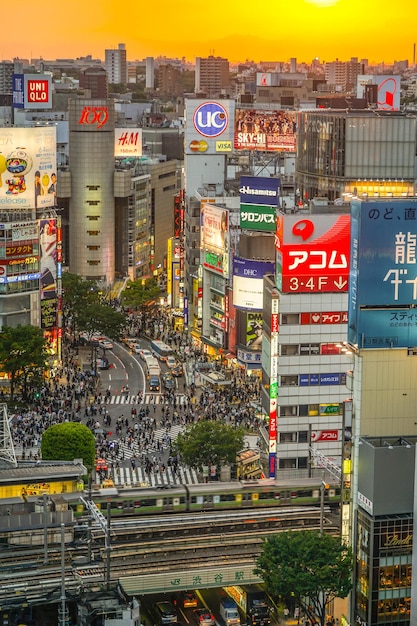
(210,119)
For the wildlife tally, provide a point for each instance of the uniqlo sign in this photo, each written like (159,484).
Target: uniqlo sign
(313,253)
(37,91)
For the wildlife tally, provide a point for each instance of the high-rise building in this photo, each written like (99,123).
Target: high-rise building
(6,77)
(116,64)
(149,75)
(94,79)
(342,75)
(168,80)
(211,75)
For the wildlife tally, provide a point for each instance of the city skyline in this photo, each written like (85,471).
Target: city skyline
(379,31)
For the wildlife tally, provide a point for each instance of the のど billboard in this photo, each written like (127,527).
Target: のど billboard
(28,167)
(383,273)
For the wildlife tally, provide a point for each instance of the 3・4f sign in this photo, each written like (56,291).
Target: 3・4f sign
(210,119)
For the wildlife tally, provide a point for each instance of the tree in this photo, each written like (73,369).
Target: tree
(83,310)
(23,356)
(69,441)
(102,318)
(209,443)
(138,293)
(308,568)
(78,294)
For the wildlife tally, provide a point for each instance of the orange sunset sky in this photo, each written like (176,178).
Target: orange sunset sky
(276,30)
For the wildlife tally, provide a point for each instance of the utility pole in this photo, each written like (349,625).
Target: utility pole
(63,617)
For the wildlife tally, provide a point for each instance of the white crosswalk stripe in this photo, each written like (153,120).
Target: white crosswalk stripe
(128,477)
(148,398)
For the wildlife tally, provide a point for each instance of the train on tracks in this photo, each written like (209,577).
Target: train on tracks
(214,496)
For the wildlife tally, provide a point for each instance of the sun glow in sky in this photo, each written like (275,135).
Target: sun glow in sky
(266,30)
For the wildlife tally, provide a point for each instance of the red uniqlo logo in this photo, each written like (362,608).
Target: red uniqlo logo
(38,91)
(94,115)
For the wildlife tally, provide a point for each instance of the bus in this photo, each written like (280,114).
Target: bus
(160,349)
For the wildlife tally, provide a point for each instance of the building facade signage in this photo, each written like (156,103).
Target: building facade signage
(313,253)
(383,290)
(210,119)
(94,116)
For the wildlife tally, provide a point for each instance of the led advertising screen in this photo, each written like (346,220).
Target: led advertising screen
(271,131)
(28,168)
(383,275)
(208,126)
(259,199)
(248,282)
(313,252)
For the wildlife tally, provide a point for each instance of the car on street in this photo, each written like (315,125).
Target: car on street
(171,362)
(189,600)
(105,344)
(143,353)
(168,380)
(177,370)
(204,617)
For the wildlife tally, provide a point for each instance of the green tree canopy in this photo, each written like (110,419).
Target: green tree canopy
(307,567)
(23,355)
(102,318)
(138,293)
(209,443)
(69,441)
(78,294)
(84,311)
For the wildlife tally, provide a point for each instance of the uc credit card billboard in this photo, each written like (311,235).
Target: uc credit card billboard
(208,126)
(383,274)
(312,253)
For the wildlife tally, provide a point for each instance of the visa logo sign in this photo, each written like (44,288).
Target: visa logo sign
(223,146)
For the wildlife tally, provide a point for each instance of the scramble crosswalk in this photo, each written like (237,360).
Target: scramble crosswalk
(148,398)
(128,477)
(137,477)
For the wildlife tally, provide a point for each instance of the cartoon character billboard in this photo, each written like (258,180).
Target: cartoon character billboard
(28,168)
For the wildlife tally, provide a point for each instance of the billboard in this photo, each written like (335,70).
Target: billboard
(325,435)
(38,91)
(28,168)
(254,323)
(389,90)
(48,258)
(209,126)
(127,142)
(18,91)
(248,282)
(272,131)
(214,227)
(32,91)
(313,253)
(383,275)
(259,199)
(260,190)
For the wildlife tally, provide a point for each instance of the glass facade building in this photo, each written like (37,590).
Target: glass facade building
(365,153)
